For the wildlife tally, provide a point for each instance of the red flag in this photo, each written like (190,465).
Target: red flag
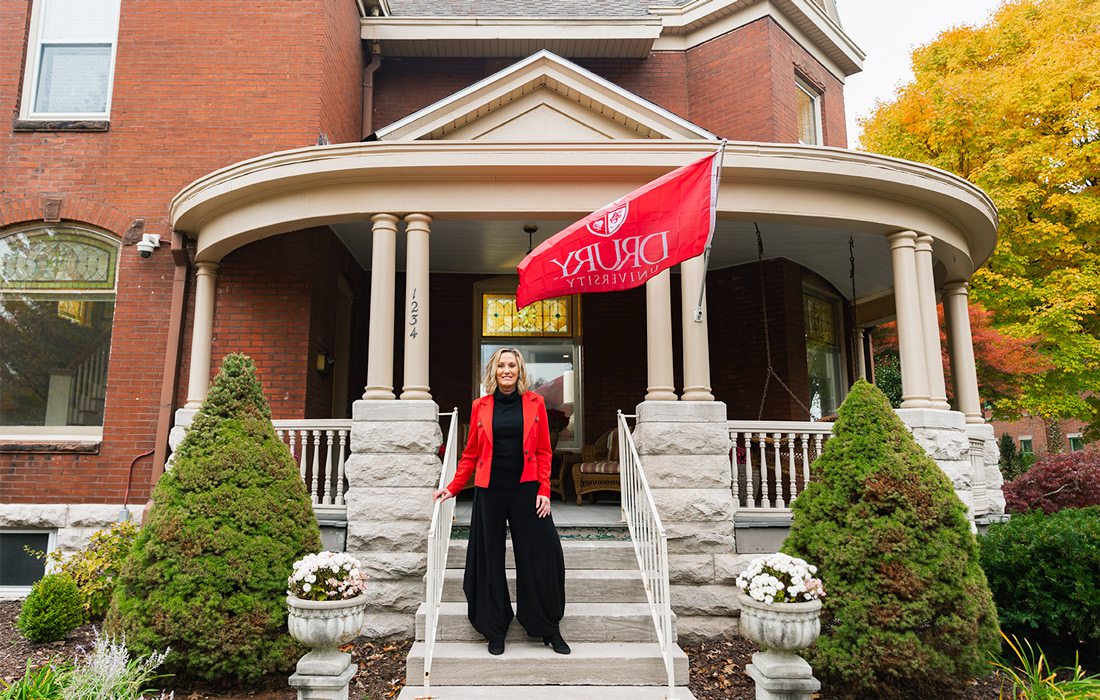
(622,245)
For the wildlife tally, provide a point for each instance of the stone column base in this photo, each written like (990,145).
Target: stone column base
(393,469)
(782,676)
(943,436)
(314,687)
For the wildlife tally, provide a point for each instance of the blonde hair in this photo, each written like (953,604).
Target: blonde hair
(489,381)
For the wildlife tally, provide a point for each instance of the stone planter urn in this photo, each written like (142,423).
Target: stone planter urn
(324,625)
(780,629)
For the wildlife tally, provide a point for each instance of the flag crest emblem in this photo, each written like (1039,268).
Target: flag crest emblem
(607,224)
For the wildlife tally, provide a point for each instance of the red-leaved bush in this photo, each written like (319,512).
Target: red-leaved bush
(1056,482)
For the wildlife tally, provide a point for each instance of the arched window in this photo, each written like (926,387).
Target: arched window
(57,303)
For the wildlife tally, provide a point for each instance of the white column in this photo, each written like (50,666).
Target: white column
(914,372)
(930,324)
(417,228)
(380,341)
(202,333)
(861,358)
(658,306)
(696,339)
(961,348)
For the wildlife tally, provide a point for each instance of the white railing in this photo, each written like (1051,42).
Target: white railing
(439,539)
(771,460)
(320,447)
(650,543)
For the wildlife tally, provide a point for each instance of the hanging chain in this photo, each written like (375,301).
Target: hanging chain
(767,334)
(857,347)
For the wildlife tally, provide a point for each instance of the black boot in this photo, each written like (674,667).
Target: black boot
(555,640)
(497,648)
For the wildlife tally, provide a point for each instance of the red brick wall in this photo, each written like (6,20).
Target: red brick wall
(738,361)
(1035,428)
(341,73)
(187,100)
(740,85)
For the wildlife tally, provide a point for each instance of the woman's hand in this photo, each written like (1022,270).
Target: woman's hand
(442,495)
(542,506)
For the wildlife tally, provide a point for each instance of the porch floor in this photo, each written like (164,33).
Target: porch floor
(567,514)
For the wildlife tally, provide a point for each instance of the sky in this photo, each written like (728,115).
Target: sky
(887,31)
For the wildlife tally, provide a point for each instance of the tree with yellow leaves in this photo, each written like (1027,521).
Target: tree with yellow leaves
(1014,107)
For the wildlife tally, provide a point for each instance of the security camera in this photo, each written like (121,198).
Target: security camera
(148,243)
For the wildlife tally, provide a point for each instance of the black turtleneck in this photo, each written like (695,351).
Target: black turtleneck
(507,440)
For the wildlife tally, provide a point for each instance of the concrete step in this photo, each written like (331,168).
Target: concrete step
(545,692)
(530,663)
(583,622)
(581,586)
(579,554)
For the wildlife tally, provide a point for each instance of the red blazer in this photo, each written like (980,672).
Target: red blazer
(479,445)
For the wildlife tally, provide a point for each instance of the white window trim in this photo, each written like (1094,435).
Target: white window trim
(1021,439)
(16,592)
(30,76)
(804,86)
(1074,436)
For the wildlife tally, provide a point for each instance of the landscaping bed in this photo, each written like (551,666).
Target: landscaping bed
(717,668)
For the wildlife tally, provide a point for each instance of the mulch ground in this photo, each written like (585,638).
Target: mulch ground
(717,668)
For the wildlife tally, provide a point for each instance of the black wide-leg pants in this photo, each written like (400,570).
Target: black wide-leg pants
(540,564)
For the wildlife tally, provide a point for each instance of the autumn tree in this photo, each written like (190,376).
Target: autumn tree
(1003,362)
(1014,107)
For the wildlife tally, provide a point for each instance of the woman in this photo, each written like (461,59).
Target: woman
(508,451)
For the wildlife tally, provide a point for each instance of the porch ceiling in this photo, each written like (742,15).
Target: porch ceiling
(497,246)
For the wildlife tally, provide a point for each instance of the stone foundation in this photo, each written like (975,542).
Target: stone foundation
(684,447)
(392,471)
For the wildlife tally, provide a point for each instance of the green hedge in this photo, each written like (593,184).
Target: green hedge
(52,610)
(1044,571)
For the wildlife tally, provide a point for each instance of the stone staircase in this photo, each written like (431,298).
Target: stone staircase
(607,623)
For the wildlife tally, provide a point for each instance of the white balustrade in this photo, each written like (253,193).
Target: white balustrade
(439,539)
(650,544)
(770,460)
(320,448)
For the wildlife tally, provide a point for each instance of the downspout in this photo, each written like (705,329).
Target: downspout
(368,92)
(171,356)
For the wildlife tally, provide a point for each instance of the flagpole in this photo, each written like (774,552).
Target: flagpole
(716,179)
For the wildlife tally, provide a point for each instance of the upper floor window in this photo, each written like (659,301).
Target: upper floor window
(1026,445)
(1076,442)
(57,302)
(808,101)
(70,60)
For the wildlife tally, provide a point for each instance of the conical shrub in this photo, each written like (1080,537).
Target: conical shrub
(908,612)
(207,574)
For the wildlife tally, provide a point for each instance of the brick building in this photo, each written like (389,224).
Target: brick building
(176,185)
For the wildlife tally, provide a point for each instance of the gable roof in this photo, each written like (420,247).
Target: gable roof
(542,80)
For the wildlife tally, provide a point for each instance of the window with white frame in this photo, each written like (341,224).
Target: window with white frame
(57,302)
(1027,447)
(70,60)
(19,568)
(1076,442)
(808,103)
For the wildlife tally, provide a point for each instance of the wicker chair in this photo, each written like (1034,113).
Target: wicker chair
(599,468)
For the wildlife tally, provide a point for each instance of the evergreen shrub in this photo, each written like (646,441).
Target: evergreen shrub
(1044,571)
(908,612)
(207,574)
(52,610)
(1054,482)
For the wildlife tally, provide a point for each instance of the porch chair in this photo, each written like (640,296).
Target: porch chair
(599,466)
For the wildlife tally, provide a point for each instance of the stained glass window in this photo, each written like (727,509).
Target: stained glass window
(823,359)
(500,317)
(57,301)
